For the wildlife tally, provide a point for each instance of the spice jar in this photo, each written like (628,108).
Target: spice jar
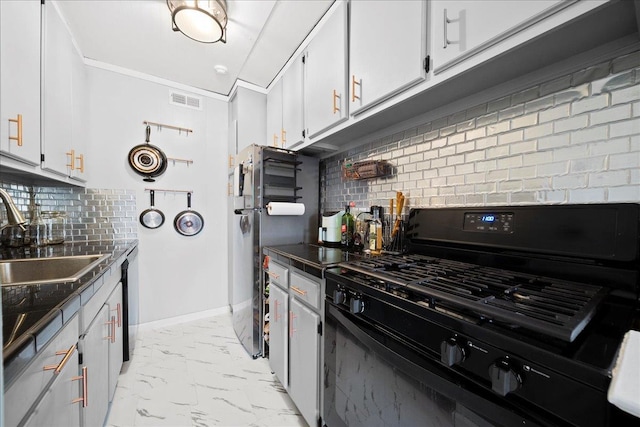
(56,223)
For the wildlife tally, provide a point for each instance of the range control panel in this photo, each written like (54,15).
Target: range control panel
(489,222)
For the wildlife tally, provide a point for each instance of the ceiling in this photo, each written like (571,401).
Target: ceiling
(136,35)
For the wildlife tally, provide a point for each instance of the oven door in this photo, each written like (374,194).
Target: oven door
(374,378)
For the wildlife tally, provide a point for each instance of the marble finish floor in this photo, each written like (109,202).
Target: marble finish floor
(197,374)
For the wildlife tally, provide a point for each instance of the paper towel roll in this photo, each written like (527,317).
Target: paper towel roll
(284,208)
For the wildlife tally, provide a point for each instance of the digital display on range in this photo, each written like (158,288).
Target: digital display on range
(489,222)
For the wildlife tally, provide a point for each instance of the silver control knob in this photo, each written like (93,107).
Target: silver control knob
(451,352)
(339,296)
(356,305)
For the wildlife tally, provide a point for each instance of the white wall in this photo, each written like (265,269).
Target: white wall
(178,275)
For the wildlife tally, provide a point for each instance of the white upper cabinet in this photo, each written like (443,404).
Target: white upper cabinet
(292,104)
(387,49)
(274,115)
(325,80)
(20,81)
(63,104)
(462,29)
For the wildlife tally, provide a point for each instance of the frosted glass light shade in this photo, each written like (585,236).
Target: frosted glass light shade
(204,21)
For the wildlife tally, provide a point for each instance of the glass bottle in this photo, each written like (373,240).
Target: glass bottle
(348,225)
(38,229)
(375,232)
(56,222)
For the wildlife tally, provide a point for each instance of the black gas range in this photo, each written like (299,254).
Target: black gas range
(495,316)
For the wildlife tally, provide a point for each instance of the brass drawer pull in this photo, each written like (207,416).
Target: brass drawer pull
(299,291)
(354,82)
(72,162)
(81,159)
(274,275)
(291,328)
(18,137)
(67,355)
(336,109)
(112,325)
(118,311)
(85,388)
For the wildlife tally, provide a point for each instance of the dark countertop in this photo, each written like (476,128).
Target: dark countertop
(32,314)
(312,258)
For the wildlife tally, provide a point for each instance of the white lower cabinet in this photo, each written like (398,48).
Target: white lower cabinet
(59,405)
(278,344)
(94,345)
(304,360)
(116,342)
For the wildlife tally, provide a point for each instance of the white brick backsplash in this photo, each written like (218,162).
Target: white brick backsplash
(491,141)
(537,158)
(573,123)
(524,121)
(627,193)
(621,96)
(590,104)
(627,127)
(612,114)
(476,133)
(554,141)
(523,147)
(523,172)
(624,161)
(556,113)
(507,138)
(571,145)
(589,164)
(497,128)
(474,156)
(587,195)
(510,162)
(569,153)
(606,179)
(590,134)
(538,131)
(570,181)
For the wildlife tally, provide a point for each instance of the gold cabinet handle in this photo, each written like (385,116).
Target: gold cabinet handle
(275,306)
(299,291)
(112,325)
(81,159)
(284,137)
(274,275)
(118,311)
(85,387)
(354,82)
(72,162)
(18,137)
(291,328)
(230,161)
(335,104)
(229,189)
(67,355)
(275,140)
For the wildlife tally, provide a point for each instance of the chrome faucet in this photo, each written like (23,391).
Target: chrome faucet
(13,214)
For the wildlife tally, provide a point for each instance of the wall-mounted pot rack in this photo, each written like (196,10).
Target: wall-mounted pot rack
(162,125)
(160,190)
(174,160)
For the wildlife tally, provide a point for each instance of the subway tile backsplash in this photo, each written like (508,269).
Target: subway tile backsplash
(91,214)
(573,139)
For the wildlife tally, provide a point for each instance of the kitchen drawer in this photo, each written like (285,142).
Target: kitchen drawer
(305,288)
(279,274)
(24,391)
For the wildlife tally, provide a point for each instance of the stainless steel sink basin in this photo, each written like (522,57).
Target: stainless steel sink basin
(47,270)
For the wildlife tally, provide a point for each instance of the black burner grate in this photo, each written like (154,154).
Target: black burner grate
(553,307)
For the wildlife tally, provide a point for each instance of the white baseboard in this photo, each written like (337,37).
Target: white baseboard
(157,324)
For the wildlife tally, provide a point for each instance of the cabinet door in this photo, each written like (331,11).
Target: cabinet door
(464,28)
(94,346)
(304,360)
(60,405)
(292,104)
(274,115)
(63,140)
(20,80)
(278,347)
(115,343)
(387,49)
(325,80)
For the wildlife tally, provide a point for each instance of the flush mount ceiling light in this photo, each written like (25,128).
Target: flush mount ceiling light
(201,20)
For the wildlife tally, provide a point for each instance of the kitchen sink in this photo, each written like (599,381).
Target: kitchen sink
(47,270)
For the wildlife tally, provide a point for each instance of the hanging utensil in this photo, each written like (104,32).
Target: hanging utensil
(188,222)
(152,217)
(147,160)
